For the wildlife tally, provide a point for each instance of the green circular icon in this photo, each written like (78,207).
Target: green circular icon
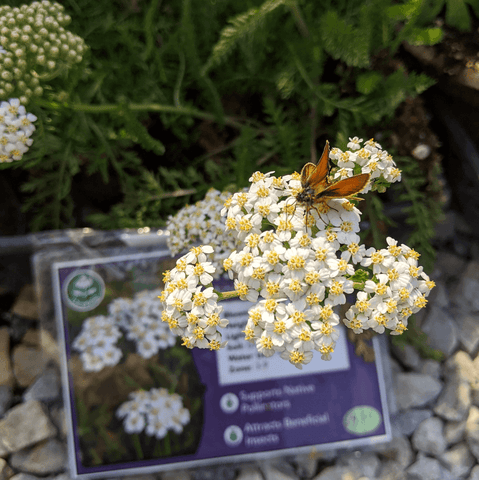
(83,290)
(362,419)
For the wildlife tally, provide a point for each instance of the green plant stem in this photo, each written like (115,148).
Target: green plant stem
(298,17)
(134,107)
(226,295)
(137,445)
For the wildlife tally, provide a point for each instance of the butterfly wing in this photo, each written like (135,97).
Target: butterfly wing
(315,176)
(346,187)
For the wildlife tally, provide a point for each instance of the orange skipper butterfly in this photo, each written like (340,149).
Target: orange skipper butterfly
(317,188)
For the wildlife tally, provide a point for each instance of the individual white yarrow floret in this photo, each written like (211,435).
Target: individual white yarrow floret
(155,411)
(16,128)
(190,302)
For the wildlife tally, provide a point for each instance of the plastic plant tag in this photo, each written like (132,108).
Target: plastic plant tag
(137,401)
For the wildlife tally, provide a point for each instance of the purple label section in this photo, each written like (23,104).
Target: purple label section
(294,411)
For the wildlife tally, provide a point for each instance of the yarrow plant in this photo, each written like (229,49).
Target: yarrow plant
(139,319)
(156,412)
(16,127)
(35,47)
(297,264)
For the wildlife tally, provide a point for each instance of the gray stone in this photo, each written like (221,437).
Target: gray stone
(249,473)
(454,432)
(432,368)
(24,476)
(429,437)
(58,416)
(415,390)
(391,470)
(278,470)
(24,425)
(366,463)
(6,397)
(428,468)
(472,431)
(338,473)
(455,400)
(5,471)
(468,329)
(45,388)
(398,449)
(28,363)
(441,330)
(449,265)
(466,293)
(439,295)
(176,475)
(307,464)
(408,356)
(458,460)
(409,420)
(44,458)
(6,372)
(474,473)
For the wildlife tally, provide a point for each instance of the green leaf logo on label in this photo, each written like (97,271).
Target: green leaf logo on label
(83,290)
(362,419)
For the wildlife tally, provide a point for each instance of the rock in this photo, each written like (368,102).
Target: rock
(221,472)
(176,475)
(407,421)
(44,458)
(24,425)
(415,390)
(458,460)
(58,416)
(429,437)
(466,293)
(468,329)
(25,476)
(472,431)
(307,464)
(449,265)
(45,388)
(455,400)
(398,449)
(337,473)
(28,363)
(5,471)
(428,468)
(421,151)
(6,372)
(365,463)
(408,356)
(6,397)
(454,432)
(249,473)
(439,295)
(441,330)
(391,470)
(432,368)
(474,473)
(26,304)
(278,470)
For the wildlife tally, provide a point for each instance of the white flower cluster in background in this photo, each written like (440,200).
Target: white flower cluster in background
(16,127)
(190,303)
(298,262)
(203,224)
(368,159)
(138,318)
(156,412)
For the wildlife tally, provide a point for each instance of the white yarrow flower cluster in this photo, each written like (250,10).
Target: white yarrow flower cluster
(399,289)
(297,261)
(97,343)
(155,411)
(202,224)
(139,319)
(190,303)
(370,159)
(16,128)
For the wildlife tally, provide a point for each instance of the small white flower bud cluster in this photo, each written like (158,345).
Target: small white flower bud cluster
(34,42)
(16,127)
(139,318)
(156,412)
(202,224)
(191,310)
